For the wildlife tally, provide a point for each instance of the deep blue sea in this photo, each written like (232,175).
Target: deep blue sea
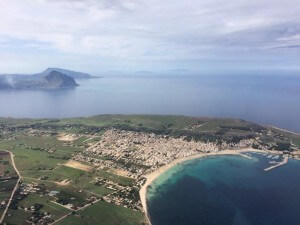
(265,99)
(227,190)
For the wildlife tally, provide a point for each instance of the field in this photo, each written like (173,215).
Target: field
(103,213)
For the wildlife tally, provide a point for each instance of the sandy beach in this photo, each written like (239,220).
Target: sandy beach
(152,176)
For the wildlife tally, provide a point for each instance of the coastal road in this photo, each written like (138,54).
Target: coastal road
(15,188)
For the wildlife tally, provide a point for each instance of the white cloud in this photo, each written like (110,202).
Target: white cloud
(149,30)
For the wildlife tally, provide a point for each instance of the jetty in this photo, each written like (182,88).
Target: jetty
(284,161)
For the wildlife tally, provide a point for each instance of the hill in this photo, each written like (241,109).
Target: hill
(56,79)
(52,80)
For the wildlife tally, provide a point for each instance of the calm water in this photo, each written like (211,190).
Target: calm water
(227,190)
(263,99)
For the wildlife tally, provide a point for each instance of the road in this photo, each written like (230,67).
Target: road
(15,188)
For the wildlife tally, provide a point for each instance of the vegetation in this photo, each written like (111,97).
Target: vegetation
(103,213)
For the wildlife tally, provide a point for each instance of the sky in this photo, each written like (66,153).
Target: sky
(103,36)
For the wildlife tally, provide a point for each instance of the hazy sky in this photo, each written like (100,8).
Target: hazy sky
(153,35)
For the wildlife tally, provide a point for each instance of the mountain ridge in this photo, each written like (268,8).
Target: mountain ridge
(75,75)
(53,79)
(71,73)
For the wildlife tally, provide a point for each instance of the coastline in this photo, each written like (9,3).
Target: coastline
(152,176)
(281,129)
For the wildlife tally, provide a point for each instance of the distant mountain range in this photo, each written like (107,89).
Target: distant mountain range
(51,78)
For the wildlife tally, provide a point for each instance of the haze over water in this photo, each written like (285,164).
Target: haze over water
(262,99)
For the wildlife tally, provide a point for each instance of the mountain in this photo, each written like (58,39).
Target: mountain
(56,79)
(51,80)
(75,75)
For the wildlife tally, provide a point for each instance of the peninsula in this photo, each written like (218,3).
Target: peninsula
(86,170)
(51,78)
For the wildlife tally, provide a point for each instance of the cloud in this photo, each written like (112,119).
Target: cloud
(152,30)
(286,46)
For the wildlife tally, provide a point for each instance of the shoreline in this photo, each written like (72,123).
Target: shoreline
(282,129)
(152,176)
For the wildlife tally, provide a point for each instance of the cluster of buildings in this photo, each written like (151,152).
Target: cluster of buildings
(36,215)
(108,184)
(127,197)
(142,151)
(39,216)
(245,143)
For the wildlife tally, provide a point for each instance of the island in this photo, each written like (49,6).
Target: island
(51,78)
(90,169)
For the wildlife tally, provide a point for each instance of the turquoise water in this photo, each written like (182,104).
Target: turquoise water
(227,190)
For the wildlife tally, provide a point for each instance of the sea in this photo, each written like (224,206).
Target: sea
(227,190)
(264,99)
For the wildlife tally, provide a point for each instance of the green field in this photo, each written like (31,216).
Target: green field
(103,213)
(58,174)
(48,206)
(17,217)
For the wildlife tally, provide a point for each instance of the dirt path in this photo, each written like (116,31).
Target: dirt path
(90,138)
(15,188)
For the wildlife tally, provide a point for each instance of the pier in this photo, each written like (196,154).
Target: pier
(284,161)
